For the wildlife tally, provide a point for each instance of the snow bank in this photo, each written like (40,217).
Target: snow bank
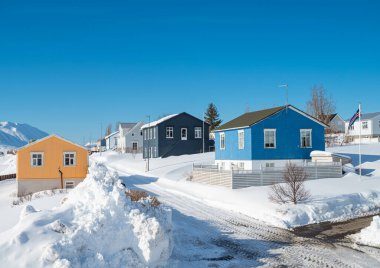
(369,236)
(96,226)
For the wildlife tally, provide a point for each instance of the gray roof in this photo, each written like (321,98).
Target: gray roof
(127,125)
(249,119)
(369,116)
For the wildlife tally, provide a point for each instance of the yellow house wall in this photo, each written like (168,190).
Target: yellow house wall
(53,149)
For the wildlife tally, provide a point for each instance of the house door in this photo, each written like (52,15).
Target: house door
(183,134)
(134,146)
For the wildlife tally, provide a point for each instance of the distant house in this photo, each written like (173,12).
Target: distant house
(50,163)
(176,134)
(130,137)
(370,128)
(336,124)
(112,140)
(101,144)
(268,138)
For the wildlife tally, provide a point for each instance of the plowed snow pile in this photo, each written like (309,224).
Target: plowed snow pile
(369,236)
(97,226)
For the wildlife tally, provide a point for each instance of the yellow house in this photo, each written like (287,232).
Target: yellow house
(50,163)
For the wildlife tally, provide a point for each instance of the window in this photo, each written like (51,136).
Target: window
(69,159)
(37,159)
(69,184)
(169,132)
(241,139)
(146,152)
(134,146)
(115,141)
(269,138)
(305,138)
(151,152)
(154,133)
(241,165)
(150,133)
(364,125)
(155,152)
(198,132)
(145,134)
(269,165)
(183,134)
(222,141)
(222,165)
(141,133)
(351,127)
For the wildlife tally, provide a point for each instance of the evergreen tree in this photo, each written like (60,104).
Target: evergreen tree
(212,116)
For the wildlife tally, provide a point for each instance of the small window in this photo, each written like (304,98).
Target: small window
(269,165)
(69,184)
(155,151)
(141,133)
(146,152)
(169,132)
(269,138)
(154,133)
(222,141)
(198,132)
(37,159)
(183,134)
(241,165)
(69,159)
(150,133)
(306,138)
(144,134)
(134,146)
(365,125)
(222,165)
(241,139)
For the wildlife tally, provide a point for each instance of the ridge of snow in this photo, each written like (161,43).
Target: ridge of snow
(97,225)
(369,236)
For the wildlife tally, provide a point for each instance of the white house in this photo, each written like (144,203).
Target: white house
(130,137)
(112,140)
(336,124)
(370,128)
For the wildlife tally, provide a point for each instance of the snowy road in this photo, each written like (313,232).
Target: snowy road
(206,236)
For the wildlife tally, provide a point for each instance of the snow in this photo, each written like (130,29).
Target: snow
(96,226)
(333,199)
(369,236)
(155,123)
(16,135)
(326,153)
(7,164)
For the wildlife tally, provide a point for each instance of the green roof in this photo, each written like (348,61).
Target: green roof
(248,119)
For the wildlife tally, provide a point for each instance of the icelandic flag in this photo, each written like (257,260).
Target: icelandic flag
(354,118)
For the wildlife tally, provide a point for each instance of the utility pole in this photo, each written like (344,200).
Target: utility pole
(147,168)
(203,133)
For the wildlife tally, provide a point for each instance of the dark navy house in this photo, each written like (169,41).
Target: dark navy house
(268,138)
(176,134)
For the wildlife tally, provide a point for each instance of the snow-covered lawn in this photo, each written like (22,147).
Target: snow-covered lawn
(7,164)
(96,226)
(333,199)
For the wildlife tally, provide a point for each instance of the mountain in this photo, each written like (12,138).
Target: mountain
(17,135)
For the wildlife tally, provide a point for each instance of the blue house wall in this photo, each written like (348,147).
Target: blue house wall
(288,124)
(232,147)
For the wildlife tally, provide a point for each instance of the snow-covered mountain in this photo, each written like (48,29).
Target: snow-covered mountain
(17,135)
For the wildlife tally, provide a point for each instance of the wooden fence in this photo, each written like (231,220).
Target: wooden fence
(6,177)
(236,179)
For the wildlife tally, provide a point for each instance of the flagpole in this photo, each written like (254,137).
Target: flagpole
(360,140)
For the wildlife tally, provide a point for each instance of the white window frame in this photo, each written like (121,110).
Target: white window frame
(64,159)
(274,139)
(184,138)
(222,145)
(42,159)
(311,138)
(69,182)
(198,132)
(241,139)
(241,165)
(169,130)
(366,125)
(269,164)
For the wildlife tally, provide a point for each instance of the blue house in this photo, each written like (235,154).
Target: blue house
(174,135)
(268,138)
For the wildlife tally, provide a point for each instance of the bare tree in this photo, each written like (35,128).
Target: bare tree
(320,105)
(293,189)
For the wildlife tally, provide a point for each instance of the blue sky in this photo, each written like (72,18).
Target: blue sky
(68,67)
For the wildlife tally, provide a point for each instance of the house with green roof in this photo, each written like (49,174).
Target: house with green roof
(268,138)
